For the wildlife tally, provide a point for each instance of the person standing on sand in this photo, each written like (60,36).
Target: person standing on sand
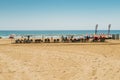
(28,37)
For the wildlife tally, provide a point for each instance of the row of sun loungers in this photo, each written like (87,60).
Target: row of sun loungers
(36,41)
(23,41)
(47,40)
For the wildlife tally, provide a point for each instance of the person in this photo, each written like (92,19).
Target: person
(28,37)
(62,38)
(87,38)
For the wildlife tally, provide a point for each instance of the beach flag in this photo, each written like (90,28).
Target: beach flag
(109,26)
(96,27)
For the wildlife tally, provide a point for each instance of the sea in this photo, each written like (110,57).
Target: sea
(7,33)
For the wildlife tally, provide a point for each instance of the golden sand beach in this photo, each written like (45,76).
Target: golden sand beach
(60,61)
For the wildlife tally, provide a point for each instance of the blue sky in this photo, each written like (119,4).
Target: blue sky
(59,14)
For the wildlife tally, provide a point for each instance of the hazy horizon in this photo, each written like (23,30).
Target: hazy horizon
(59,14)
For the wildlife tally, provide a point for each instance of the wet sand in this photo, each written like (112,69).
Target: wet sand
(60,61)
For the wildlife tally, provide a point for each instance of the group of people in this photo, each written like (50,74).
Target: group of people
(75,39)
(100,38)
(65,39)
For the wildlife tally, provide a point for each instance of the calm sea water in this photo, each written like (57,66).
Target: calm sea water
(6,33)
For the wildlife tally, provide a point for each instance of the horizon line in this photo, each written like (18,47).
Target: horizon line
(51,29)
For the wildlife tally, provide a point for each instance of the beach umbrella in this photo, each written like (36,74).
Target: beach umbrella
(96,27)
(12,36)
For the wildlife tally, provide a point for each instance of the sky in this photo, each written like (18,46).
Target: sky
(59,14)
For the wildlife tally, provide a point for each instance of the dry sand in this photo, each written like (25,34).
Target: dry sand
(58,61)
